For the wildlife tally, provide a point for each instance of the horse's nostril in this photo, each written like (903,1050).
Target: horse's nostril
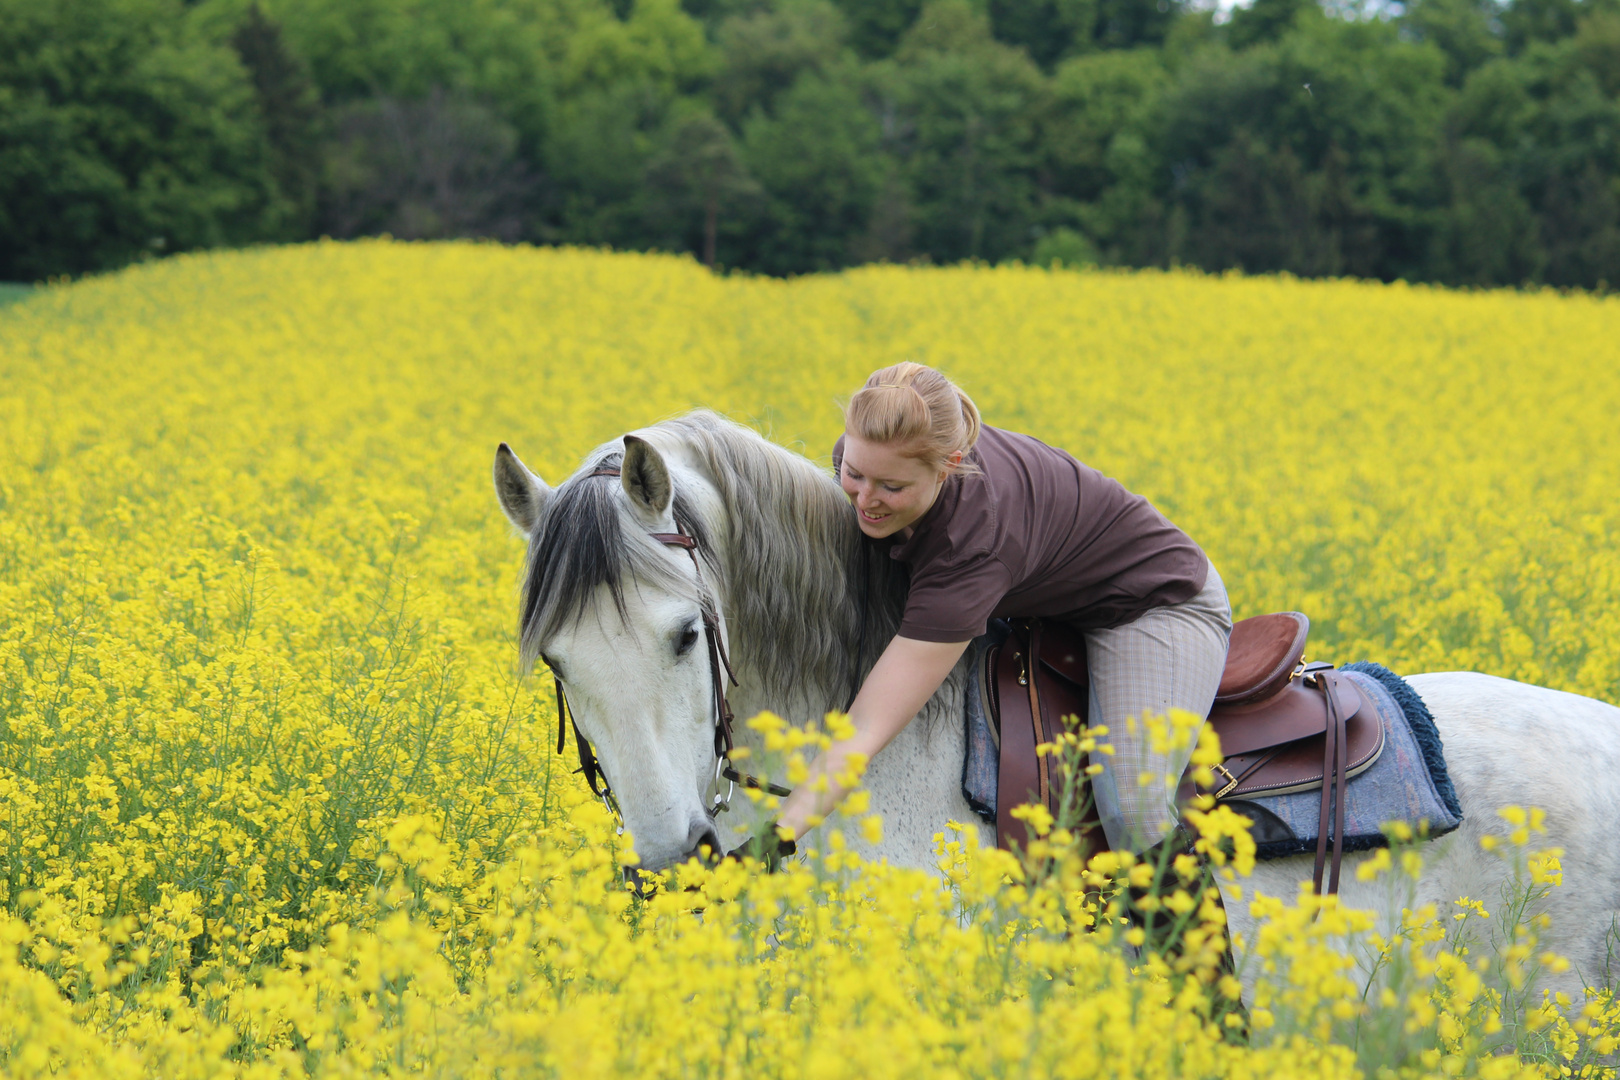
(638,881)
(703,841)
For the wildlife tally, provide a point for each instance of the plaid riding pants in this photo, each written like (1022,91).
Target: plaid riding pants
(1170,658)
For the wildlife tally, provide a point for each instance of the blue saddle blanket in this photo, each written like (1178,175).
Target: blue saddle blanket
(1407,783)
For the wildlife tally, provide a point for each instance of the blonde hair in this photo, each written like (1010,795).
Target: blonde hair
(918,408)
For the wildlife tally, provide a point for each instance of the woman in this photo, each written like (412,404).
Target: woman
(991,523)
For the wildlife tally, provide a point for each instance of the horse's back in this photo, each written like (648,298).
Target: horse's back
(1509,744)
(1512,744)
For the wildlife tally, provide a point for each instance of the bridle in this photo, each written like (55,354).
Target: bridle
(719,671)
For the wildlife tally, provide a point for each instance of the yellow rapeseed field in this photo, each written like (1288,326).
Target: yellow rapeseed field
(275,802)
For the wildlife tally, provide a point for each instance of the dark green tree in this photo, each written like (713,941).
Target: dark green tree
(596,155)
(1525,22)
(1551,118)
(1095,100)
(876,26)
(1484,230)
(1126,24)
(965,121)
(445,166)
(1101,163)
(1469,32)
(766,50)
(1309,154)
(1269,20)
(290,109)
(820,163)
(696,176)
(1048,30)
(122,135)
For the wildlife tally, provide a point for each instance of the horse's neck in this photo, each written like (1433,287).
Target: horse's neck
(809,605)
(797,585)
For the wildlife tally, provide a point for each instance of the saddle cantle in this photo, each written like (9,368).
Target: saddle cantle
(1261,656)
(1285,726)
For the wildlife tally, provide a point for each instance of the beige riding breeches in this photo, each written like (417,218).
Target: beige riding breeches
(1170,658)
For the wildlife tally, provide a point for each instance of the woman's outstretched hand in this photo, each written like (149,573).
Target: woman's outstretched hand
(767,846)
(900,683)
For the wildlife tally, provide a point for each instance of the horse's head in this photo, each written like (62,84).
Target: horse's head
(618,617)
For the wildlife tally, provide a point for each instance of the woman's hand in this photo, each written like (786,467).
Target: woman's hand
(900,683)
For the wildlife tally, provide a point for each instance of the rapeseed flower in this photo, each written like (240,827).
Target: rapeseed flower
(274,801)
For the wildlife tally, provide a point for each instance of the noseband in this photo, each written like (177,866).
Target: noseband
(718,662)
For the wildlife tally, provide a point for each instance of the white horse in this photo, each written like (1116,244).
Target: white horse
(617,615)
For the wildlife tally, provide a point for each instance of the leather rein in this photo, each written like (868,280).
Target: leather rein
(719,670)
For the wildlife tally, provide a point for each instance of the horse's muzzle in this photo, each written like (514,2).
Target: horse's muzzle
(702,844)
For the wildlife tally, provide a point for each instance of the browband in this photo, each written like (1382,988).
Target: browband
(680,540)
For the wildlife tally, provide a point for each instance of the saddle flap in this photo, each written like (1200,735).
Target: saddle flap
(1297,766)
(1295,712)
(1261,655)
(1036,679)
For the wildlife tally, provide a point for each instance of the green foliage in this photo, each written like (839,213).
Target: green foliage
(1048,30)
(820,165)
(1553,113)
(876,26)
(970,106)
(1462,141)
(765,51)
(1467,31)
(289,109)
(1064,246)
(122,135)
(1302,154)
(695,176)
(443,167)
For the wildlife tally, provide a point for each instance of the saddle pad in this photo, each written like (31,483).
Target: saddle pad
(1398,786)
(982,761)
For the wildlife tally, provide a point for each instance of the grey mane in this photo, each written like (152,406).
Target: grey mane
(796,578)
(587,540)
(803,579)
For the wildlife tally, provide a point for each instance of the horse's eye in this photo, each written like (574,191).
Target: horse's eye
(551,664)
(687,639)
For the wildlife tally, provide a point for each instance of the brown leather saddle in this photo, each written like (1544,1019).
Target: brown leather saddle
(1285,726)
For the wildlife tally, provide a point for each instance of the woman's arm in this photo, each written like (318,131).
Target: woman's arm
(900,683)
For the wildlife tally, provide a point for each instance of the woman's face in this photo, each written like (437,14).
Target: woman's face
(890,491)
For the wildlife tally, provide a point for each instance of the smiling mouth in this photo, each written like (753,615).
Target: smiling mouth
(873,518)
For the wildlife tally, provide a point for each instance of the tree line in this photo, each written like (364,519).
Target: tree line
(1468,142)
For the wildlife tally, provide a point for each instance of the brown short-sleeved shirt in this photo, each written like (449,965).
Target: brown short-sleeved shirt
(1037,532)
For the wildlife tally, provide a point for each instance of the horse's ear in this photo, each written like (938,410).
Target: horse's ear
(523,495)
(646,480)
